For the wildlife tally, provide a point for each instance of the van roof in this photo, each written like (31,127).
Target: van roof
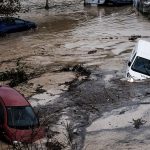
(11,97)
(143,49)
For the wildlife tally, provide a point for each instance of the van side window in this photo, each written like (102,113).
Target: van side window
(1,114)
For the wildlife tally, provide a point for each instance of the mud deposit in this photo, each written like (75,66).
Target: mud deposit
(74,66)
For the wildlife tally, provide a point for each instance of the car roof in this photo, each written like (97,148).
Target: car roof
(9,19)
(143,49)
(3,17)
(11,97)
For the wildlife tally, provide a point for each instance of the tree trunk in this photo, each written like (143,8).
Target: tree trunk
(46,6)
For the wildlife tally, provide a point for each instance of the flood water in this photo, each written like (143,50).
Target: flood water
(70,35)
(96,37)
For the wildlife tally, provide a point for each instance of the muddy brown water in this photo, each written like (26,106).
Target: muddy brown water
(67,37)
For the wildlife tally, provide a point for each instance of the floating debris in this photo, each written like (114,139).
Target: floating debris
(138,122)
(54,145)
(92,52)
(134,37)
(40,89)
(78,69)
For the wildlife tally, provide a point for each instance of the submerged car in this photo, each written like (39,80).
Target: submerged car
(18,121)
(121,2)
(139,63)
(102,2)
(11,25)
(97,2)
(142,5)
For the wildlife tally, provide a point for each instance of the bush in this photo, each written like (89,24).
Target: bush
(16,76)
(9,7)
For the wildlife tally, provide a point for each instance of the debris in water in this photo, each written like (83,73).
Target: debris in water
(54,145)
(92,52)
(134,37)
(122,112)
(40,89)
(78,69)
(138,122)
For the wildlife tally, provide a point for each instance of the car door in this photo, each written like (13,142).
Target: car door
(10,25)
(14,25)
(2,116)
(20,24)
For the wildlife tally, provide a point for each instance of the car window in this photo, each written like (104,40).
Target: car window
(21,117)
(8,21)
(17,21)
(141,65)
(1,114)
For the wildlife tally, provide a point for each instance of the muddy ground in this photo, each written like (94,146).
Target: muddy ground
(72,70)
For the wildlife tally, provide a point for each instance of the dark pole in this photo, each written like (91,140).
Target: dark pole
(84,3)
(46,6)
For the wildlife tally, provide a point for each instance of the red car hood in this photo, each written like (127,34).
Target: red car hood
(25,136)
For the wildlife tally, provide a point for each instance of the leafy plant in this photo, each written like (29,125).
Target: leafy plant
(9,7)
(16,76)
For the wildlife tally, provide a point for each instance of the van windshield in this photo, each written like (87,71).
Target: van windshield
(141,65)
(21,117)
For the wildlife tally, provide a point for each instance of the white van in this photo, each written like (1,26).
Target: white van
(139,63)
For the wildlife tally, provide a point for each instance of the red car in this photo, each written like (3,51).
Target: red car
(18,121)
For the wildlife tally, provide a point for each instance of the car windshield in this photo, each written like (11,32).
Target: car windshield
(21,117)
(7,20)
(141,65)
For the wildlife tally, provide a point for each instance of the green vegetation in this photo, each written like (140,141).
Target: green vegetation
(9,7)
